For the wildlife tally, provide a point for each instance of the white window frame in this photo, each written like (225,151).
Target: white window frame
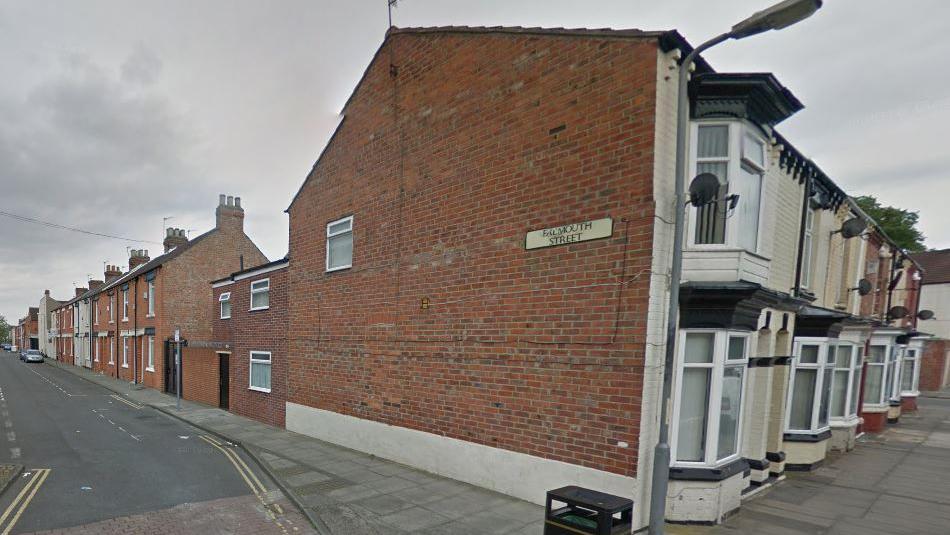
(150,363)
(852,390)
(125,351)
(125,305)
(714,399)
(95,348)
(95,312)
(738,131)
(340,233)
(257,291)
(881,401)
(912,354)
(820,366)
(111,309)
(808,246)
(151,299)
(225,297)
(897,366)
(260,362)
(111,351)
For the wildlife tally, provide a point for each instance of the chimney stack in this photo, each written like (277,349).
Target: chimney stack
(95,285)
(137,257)
(46,293)
(229,215)
(173,238)
(112,273)
(80,291)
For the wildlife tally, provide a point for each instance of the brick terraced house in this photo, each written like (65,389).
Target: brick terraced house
(250,327)
(476,282)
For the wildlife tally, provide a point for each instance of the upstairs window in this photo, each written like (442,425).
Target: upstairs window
(738,157)
(260,294)
(125,305)
(807,247)
(151,298)
(224,300)
(340,244)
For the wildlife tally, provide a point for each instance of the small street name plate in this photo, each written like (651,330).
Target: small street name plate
(572,233)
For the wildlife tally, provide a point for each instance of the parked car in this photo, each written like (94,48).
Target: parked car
(6,347)
(32,355)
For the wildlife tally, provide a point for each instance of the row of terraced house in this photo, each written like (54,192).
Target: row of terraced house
(476,281)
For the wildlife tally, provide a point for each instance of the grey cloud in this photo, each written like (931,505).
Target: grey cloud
(142,67)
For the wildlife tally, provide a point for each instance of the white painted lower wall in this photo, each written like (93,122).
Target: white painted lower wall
(508,472)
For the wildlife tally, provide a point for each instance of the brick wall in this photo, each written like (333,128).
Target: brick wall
(539,351)
(260,330)
(933,364)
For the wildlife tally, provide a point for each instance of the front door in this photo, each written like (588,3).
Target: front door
(171,370)
(224,379)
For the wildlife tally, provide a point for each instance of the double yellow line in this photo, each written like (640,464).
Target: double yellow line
(127,402)
(19,504)
(258,488)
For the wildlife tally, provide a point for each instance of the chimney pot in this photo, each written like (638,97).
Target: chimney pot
(222,199)
(237,202)
(230,200)
(46,292)
(168,231)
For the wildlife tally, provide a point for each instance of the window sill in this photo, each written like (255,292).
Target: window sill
(913,394)
(256,389)
(125,366)
(150,315)
(707,473)
(807,436)
(256,309)
(151,370)
(225,317)
(341,268)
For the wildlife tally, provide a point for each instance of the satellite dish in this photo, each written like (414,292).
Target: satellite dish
(704,189)
(897,312)
(853,227)
(864,287)
(925,314)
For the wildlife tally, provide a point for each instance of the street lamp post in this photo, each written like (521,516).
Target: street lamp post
(779,16)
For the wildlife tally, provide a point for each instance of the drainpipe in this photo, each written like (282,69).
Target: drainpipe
(135,328)
(801,237)
(890,291)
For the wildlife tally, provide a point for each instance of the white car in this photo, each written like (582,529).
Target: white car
(31,355)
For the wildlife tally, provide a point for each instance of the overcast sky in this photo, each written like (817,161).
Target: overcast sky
(115,114)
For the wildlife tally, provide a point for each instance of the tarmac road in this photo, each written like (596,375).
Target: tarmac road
(90,455)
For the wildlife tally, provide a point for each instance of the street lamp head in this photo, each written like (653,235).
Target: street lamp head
(781,15)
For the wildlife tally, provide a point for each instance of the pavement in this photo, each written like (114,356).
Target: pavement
(344,491)
(85,456)
(897,482)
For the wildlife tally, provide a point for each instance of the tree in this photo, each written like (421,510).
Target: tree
(898,223)
(4,329)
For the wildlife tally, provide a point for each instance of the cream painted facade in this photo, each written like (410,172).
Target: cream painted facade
(936,297)
(46,332)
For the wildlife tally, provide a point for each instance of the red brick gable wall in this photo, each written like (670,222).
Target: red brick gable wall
(538,351)
(933,362)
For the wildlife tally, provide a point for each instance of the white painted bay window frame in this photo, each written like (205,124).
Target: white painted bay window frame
(910,383)
(895,365)
(712,424)
(820,398)
(747,151)
(846,369)
(877,359)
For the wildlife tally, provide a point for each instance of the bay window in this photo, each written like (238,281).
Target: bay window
(845,380)
(874,384)
(811,384)
(737,156)
(910,374)
(707,409)
(894,360)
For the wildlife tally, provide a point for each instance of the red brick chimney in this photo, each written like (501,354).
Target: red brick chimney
(46,293)
(95,285)
(80,291)
(173,238)
(112,273)
(229,214)
(137,257)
